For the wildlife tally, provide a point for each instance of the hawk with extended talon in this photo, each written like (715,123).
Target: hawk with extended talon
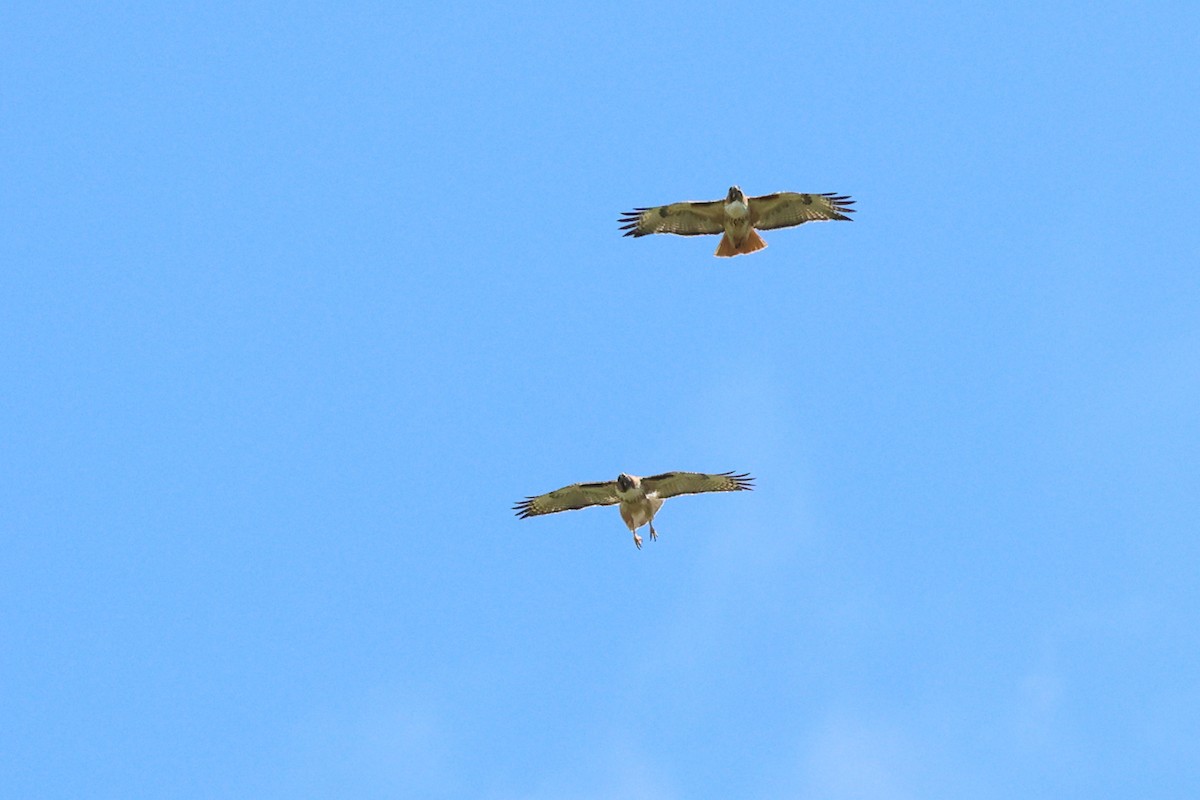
(639,498)
(737,217)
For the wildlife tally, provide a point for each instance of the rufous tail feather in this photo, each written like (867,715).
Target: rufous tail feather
(751,243)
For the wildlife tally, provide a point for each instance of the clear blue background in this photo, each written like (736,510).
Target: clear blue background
(298,299)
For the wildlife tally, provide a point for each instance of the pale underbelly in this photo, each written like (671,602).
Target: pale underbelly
(737,228)
(638,514)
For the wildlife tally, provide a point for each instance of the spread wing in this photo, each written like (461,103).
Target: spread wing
(569,498)
(670,484)
(785,209)
(689,218)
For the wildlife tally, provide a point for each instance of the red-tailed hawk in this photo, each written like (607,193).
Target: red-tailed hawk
(737,217)
(640,498)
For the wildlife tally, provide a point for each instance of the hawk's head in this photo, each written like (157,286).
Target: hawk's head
(735,195)
(625,482)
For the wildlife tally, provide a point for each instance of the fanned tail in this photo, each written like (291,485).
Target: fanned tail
(752,243)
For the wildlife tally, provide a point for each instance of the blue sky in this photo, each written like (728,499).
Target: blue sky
(297,301)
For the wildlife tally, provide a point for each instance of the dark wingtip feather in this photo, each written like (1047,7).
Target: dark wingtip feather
(840,202)
(630,223)
(743,480)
